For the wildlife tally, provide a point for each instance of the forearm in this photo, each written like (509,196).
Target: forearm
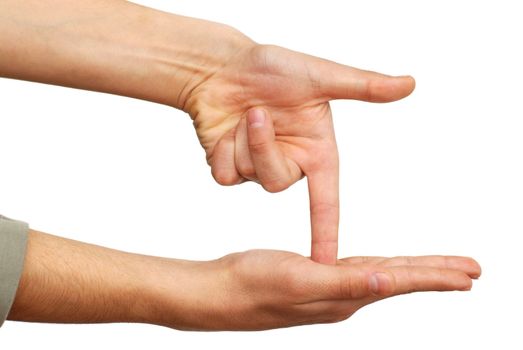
(112,46)
(67,281)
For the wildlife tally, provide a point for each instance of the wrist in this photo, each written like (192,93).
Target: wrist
(175,54)
(201,48)
(181,294)
(165,56)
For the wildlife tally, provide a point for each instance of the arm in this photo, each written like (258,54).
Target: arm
(72,282)
(261,112)
(112,46)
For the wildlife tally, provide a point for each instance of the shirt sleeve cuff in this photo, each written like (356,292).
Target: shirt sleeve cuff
(13,242)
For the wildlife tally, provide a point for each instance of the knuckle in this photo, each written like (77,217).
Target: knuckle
(367,90)
(358,287)
(259,148)
(224,177)
(413,283)
(346,287)
(263,56)
(246,169)
(321,207)
(276,185)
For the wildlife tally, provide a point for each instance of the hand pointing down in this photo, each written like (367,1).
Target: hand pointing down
(264,116)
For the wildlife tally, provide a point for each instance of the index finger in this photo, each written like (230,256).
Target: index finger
(325,212)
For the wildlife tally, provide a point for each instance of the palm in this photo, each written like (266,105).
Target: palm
(283,288)
(297,135)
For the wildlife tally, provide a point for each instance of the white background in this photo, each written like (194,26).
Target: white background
(438,173)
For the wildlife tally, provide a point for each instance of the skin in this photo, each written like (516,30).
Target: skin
(262,114)
(220,77)
(265,117)
(67,281)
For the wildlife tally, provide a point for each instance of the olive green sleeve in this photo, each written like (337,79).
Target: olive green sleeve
(13,242)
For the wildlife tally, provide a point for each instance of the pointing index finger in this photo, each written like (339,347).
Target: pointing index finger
(325,212)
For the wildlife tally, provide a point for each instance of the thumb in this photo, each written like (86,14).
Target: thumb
(349,282)
(337,81)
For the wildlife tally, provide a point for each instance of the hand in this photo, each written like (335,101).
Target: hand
(258,289)
(265,289)
(215,73)
(265,117)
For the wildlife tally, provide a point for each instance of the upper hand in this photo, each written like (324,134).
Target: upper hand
(264,116)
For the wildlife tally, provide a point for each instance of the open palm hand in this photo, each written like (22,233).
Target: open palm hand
(263,289)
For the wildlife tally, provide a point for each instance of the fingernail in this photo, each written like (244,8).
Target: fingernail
(256,118)
(378,281)
(410,77)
